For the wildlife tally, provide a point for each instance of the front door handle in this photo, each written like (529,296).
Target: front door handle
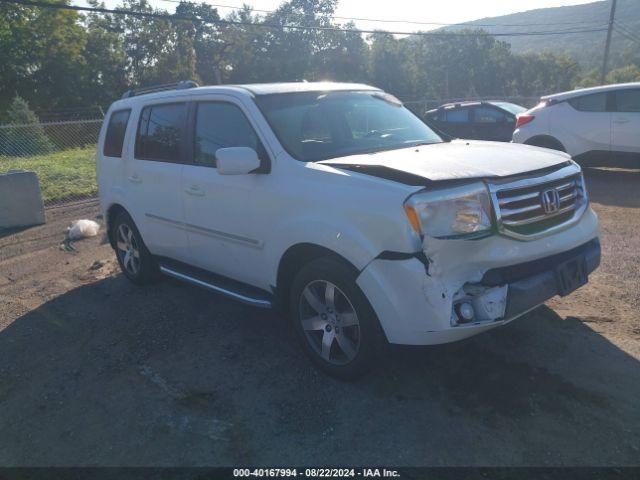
(621,120)
(194,190)
(135,179)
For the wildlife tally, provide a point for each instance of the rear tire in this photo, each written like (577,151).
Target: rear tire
(135,260)
(333,320)
(546,142)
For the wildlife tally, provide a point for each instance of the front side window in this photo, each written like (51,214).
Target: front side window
(221,125)
(628,100)
(160,132)
(314,126)
(596,102)
(489,115)
(114,138)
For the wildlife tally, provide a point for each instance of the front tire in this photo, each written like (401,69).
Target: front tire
(333,320)
(136,262)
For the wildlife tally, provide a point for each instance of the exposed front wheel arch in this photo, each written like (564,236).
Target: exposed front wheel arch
(293,259)
(546,141)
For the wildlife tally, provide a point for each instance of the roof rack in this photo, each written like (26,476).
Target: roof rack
(184,84)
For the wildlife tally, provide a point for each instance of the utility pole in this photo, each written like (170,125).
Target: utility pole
(612,15)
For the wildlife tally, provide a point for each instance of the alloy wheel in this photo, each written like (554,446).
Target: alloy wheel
(329,322)
(128,250)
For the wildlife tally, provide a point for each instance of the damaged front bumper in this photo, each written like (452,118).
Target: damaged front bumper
(418,303)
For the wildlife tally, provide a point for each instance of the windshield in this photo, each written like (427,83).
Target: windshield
(318,126)
(510,107)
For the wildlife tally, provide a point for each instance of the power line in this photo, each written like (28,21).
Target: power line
(626,32)
(169,17)
(413,22)
(628,37)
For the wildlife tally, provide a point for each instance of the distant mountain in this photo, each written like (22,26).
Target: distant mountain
(586,48)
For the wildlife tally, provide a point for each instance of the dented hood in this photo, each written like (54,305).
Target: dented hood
(458,159)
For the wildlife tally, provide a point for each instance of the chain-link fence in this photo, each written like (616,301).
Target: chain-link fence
(62,154)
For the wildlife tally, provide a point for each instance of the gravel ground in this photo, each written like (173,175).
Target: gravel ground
(95,371)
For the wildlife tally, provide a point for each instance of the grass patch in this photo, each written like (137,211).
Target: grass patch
(63,175)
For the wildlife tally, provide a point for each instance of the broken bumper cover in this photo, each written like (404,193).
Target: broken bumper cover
(505,278)
(533,283)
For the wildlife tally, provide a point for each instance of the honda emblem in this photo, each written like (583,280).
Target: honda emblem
(550,200)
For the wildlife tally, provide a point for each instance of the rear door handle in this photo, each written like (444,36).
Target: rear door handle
(135,179)
(194,190)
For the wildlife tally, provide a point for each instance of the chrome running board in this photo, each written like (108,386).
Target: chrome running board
(226,291)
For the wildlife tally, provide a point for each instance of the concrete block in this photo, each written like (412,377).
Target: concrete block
(20,199)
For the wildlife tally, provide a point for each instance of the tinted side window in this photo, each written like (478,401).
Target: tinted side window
(432,116)
(114,139)
(457,115)
(489,115)
(628,100)
(160,132)
(596,102)
(221,125)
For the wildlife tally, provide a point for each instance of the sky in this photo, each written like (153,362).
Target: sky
(441,11)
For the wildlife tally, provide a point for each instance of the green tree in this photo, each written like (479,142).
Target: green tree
(41,56)
(241,48)
(25,136)
(105,75)
(145,42)
(340,56)
(534,74)
(466,63)
(630,73)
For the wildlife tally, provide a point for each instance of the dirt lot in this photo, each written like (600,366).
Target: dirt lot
(95,371)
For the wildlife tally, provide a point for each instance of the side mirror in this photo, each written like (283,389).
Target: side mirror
(236,160)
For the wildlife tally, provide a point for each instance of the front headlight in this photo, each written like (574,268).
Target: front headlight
(455,212)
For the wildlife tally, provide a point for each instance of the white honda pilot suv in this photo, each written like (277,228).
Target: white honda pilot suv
(337,205)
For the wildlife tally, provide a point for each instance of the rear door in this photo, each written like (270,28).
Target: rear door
(585,122)
(153,178)
(110,162)
(492,123)
(456,121)
(625,123)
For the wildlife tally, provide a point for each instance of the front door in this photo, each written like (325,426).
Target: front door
(491,123)
(458,122)
(221,210)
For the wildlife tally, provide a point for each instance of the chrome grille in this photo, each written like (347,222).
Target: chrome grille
(533,207)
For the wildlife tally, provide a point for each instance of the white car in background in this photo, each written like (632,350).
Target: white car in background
(597,126)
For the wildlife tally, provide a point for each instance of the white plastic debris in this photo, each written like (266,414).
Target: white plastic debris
(83,229)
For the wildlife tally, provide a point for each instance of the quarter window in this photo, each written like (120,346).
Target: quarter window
(596,102)
(457,115)
(160,132)
(488,115)
(628,100)
(221,125)
(114,138)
